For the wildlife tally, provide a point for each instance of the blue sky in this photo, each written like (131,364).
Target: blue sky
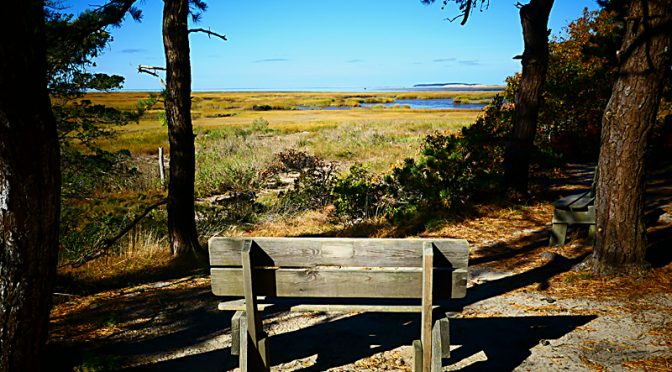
(345,44)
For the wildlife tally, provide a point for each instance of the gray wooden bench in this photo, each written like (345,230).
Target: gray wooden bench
(576,209)
(266,272)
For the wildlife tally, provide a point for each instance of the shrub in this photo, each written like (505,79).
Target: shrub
(312,189)
(359,196)
(451,169)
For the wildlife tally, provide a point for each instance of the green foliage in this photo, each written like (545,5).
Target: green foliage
(359,196)
(581,71)
(451,169)
(312,189)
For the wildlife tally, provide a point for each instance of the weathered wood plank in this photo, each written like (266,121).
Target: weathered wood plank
(427,298)
(338,283)
(239,305)
(574,217)
(311,252)
(576,201)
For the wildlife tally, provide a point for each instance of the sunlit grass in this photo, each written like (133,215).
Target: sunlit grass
(236,146)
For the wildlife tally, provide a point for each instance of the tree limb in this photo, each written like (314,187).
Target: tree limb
(107,243)
(209,33)
(151,70)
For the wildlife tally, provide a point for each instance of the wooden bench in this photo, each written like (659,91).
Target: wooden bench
(577,209)
(430,271)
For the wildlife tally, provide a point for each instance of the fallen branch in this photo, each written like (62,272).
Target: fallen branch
(107,243)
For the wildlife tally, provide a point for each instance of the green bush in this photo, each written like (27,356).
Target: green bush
(451,169)
(359,196)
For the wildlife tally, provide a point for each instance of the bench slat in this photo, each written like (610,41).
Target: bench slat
(330,308)
(339,283)
(575,201)
(353,252)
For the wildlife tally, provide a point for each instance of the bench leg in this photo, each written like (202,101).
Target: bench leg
(252,358)
(591,232)
(440,346)
(417,356)
(235,332)
(558,233)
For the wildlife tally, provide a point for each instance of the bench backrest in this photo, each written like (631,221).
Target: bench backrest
(339,267)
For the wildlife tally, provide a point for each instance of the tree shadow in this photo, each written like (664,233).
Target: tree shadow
(192,318)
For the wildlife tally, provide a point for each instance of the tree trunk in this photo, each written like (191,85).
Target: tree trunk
(534,19)
(181,222)
(29,188)
(620,244)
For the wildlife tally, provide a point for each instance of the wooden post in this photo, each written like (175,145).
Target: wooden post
(162,173)
(427,302)
(257,355)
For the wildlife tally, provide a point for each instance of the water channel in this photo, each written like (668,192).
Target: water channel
(426,104)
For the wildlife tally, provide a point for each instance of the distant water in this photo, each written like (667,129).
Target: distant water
(427,104)
(432,104)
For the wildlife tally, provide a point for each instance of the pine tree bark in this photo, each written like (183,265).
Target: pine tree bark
(644,57)
(29,188)
(528,98)
(181,222)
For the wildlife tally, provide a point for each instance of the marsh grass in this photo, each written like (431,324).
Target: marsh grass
(235,146)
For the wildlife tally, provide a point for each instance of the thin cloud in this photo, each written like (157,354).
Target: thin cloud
(470,62)
(133,51)
(439,60)
(269,60)
(355,61)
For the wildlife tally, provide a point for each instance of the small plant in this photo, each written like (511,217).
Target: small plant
(312,189)
(260,125)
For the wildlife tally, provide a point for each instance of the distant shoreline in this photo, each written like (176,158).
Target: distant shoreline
(415,88)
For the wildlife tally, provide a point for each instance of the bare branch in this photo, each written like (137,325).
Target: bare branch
(151,70)
(210,33)
(451,20)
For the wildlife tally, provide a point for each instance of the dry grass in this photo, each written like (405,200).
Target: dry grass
(144,252)
(231,111)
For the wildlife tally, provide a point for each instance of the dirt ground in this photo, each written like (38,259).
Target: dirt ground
(527,309)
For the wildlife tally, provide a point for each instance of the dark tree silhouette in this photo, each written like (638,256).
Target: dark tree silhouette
(29,187)
(644,59)
(181,216)
(534,19)
(528,97)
